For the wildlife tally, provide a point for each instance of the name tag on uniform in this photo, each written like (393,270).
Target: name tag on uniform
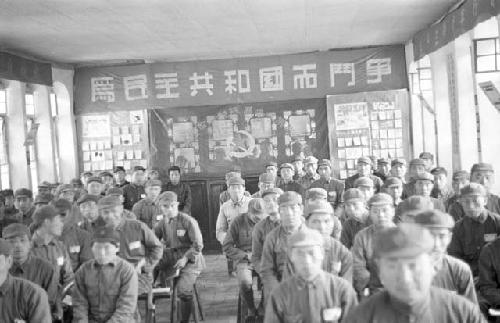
(134,245)
(19,321)
(181,232)
(331,314)
(159,217)
(337,266)
(490,237)
(60,261)
(143,196)
(74,249)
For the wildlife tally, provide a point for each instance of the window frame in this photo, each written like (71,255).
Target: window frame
(496,54)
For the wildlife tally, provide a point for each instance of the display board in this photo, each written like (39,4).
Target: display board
(211,140)
(113,139)
(367,124)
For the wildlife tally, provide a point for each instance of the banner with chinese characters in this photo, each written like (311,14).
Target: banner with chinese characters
(367,124)
(212,139)
(236,81)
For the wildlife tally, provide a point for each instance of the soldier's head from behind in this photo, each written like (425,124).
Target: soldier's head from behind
(174,174)
(325,169)
(398,168)
(266,181)
(459,179)
(381,209)
(394,187)
(355,205)
(482,173)
(406,267)
(413,205)
(473,198)
(364,166)
(152,189)
(310,165)
(105,244)
(236,188)
(305,249)
(366,186)
(287,171)
(424,183)
(440,226)
(169,205)
(110,210)
(94,185)
(5,258)
(23,199)
(19,236)
(270,197)
(47,221)
(319,216)
(88,207)
(291,210)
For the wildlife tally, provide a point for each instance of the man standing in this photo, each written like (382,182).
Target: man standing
(106,286)
(182,189)
(310,167)
(333,187)
(120,176)
(266,181)
(441,190)
(134,191)
(364,169)
(147,210)
(357,217)
(298,167)
(287,183)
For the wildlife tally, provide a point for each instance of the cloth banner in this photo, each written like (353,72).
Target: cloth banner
(17,68)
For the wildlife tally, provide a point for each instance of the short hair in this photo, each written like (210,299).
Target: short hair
(173,169)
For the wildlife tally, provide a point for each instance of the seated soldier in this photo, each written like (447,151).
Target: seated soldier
(118,192)
(287,182)
(266,181)
(408,208)
(310,295)
(27,266)
(238,246)
(333,187)
(460,179)
(441,190)
(337,258)
(183,243)
(310,175)
(364,169)
(417,166)
(180,188)
(224,196)
(489,276)
(95,186)
(106,286)
(262,228)
(394,187)
(23,201)
(423,185)
(298,167)
(383,169)
(21,301)
(406,269)
(478,227)
(87,204)
(318,194)
(147,210)
(356,213)
(366,186)
(365,273)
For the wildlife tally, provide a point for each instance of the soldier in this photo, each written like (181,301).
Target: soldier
(21,301)
(365,272)
(44,188)
(65,191)
(298,167)
(224,196)
(407,209)
(333,187)
(134,191)
(183,244)
(272,168)
(95,186)
(459,179)
(441,190)
(364,169)
(118,192)
(287,182)
(478,227)
(357,217)
(318,194)
(182,189)
(42,199)
(85,176)
(147,210)
(238,246)
(398,169)
(24,203)
(105,287)
(310,294)
(383,169)
(266,181)
(428,159)
(406,269)
(87,204)
(262,228)
(394,187)
(416,167)
(8,196)
(489,279)
(423,184)
(310,175)
(366,186)
(451,273)
(120,177)
(338,260)
(107,181)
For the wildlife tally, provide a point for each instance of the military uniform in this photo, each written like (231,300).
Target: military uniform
(349,230)
(457,212)
(148,212)
(377,182)
(455,275)
(489,273)
(132,193)
(19,217)
(334,189)
(306,180)
(259,234)
(183,192)
(78,243)
(228,211)
(291,186)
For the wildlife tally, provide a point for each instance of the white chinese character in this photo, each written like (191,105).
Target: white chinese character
(271,78)
(342,68)
(377,67)
(243,81)
(136,87)
(102,89)
(166,82)
(204,85)
(305,80)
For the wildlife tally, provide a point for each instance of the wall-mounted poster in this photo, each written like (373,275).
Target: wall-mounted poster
(300,132)
(183,143)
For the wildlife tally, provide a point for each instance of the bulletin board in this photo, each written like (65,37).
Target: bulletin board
(367,124)
(113,139)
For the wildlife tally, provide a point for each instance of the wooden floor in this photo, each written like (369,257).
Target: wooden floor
(218,293)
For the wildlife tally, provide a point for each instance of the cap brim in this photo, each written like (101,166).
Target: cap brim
(403,253)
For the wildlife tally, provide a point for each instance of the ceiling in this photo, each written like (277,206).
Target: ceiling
(89,32)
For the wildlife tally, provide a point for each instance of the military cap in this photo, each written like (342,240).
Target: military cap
(305,237)
(289,198)
(94,179)
(271,163)
(275,190)
(319,206)
(398,161)
(473,189)
(119,169)
(297,158)
(383,161)
(325,162)
(439,170)
(139,168)
(61,205)
(353,194)
(153,182)
(316,193)
(417,161)
(174,169)
(424,176)
(416,203)
(364,160)
(105,173)
(86,198)
(90,174)
(287,165)
(256,206)
(106,234)
(76,181)
(108,202)
(23,192)
(363,181)
(485,167)
(43,213)
(114,191)
(310,160)
(232,174)
(426,155)
(64,187)
(392,181)
(266,178)
(44,198)
(235,180)
(404,240)
(16,230)
(434,219)
(7,192)
(44,184)
(168,196)
(460,175)
(380,199)
(5,248)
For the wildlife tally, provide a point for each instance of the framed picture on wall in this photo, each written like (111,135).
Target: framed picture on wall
(261,128)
